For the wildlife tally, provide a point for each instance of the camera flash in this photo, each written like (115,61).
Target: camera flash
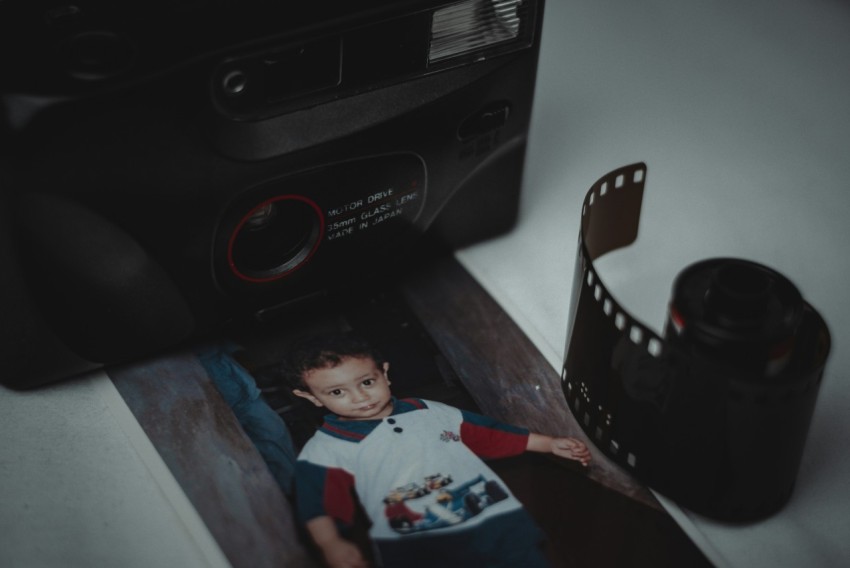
(472,25)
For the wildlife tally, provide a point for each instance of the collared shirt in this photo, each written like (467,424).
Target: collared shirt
(417,471)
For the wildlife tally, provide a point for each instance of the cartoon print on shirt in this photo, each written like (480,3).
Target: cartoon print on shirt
(449,436)
(450,506)
(413,490)
(436,481)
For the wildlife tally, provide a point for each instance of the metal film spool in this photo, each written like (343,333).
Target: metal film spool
(715,413)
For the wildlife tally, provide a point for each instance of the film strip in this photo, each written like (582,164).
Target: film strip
(715,412)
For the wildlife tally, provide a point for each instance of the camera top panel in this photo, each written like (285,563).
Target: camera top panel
(79,48)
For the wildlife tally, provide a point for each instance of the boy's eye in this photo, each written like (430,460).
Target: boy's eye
(368,382)
(335,392)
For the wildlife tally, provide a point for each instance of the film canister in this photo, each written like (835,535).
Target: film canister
(714,414)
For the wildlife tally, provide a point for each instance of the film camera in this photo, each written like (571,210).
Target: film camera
(170,168)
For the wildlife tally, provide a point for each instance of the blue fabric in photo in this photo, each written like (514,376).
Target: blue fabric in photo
(263,426)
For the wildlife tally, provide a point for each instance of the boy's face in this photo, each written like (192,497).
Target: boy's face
(356,389)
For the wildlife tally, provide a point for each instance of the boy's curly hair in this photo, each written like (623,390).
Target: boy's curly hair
(323,351)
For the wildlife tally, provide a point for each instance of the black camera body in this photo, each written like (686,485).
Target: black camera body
(168,170)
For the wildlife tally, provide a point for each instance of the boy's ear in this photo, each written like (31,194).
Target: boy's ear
(307,395)
(386,367)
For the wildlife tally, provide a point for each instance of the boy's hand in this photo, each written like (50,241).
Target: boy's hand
(572,449)
(338,552)
(341,553)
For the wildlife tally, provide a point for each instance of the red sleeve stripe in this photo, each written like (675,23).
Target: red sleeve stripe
(491,443)
(338,500)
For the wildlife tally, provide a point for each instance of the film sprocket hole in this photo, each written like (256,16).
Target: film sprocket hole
(170,169)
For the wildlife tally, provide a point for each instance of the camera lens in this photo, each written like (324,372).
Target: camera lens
(274,238)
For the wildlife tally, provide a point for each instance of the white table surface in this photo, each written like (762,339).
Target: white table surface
(82,486)
(741,111)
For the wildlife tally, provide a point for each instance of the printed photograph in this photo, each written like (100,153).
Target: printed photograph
(349,423)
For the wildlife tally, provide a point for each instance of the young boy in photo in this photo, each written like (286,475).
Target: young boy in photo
(415,465)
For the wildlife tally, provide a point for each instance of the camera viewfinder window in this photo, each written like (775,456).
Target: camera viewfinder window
(302,70)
